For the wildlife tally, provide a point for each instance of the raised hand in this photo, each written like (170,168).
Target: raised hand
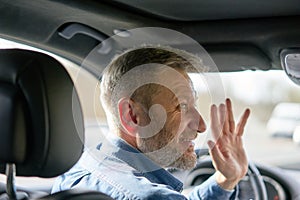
(227,152)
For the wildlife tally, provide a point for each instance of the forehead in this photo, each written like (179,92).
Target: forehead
(178,86)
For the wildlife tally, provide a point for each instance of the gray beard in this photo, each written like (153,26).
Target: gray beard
(167,156)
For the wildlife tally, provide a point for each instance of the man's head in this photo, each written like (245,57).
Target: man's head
(149,100)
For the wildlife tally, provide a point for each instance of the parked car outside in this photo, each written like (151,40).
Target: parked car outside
(284,119)
(296,135)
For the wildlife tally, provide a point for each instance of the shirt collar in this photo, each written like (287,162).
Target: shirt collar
(143,164)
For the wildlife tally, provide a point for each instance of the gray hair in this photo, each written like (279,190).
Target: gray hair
(146,58)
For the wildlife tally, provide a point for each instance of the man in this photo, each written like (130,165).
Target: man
(150,105)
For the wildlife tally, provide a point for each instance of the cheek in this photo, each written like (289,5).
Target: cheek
(174,126)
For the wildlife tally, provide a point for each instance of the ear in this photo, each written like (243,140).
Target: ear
(128,115)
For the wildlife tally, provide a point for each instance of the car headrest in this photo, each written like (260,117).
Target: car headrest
(41,122)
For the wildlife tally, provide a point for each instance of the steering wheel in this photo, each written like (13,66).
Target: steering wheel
(257,182)
(204,169)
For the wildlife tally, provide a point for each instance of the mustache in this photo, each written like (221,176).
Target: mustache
(188,136)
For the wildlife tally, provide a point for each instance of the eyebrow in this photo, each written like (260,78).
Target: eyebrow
(188,96)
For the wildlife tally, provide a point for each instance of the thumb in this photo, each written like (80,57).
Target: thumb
(215,153)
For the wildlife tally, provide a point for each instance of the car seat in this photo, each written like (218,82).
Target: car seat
(42,131)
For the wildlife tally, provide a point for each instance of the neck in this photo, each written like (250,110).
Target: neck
(130,139)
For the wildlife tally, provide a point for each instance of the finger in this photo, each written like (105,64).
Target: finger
(230,115)
(242,122)
(215,153)
(223,118)
(215,127)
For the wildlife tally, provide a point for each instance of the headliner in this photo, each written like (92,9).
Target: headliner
(197,10)
(239,35)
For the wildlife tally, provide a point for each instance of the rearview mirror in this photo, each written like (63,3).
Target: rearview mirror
(290,61)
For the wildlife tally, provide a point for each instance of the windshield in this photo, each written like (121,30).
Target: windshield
(262,91)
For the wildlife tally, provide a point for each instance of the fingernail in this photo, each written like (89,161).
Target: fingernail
(222,106)
(210,144)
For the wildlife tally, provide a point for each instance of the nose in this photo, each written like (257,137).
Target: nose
(197,122)
(201,125)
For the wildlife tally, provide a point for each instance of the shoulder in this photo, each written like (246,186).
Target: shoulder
(114,177)
(121,182)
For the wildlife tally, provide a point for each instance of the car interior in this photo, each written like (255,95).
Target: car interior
(43,126)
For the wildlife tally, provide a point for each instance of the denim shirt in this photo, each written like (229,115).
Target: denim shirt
(122,172)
